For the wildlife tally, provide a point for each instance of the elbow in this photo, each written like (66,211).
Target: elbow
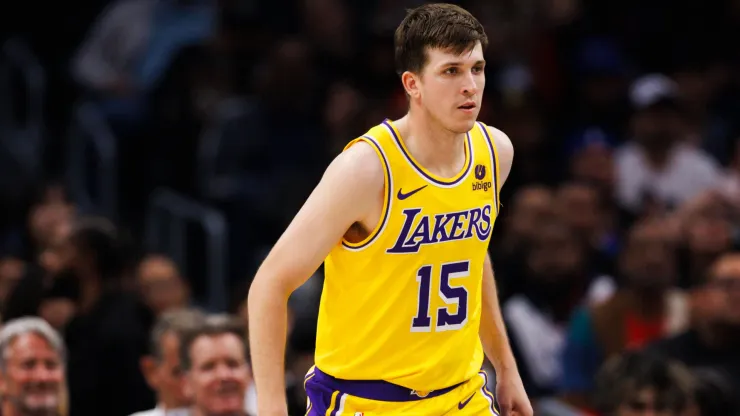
(265,289)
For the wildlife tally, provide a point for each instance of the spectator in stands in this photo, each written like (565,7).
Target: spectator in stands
(645,308)
(642,384)
(32,362)
(713,394)
(707,230)
(160,284)
(658,170)
(558,280)
(162,366)
(11,271)
(47,289)
(582,207)
(109,332)
(532,208)
(590,156)
(213,357)
(714,340)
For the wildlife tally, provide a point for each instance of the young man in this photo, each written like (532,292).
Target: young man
(402,219)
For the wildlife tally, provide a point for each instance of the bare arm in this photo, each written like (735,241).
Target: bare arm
(343,197)
(492,330)
(511,396)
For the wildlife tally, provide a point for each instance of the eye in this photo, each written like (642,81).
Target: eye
(477,69)
(451,71)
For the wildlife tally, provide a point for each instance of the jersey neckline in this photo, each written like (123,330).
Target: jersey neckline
(421,170)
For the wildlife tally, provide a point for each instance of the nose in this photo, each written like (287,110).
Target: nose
(470,86)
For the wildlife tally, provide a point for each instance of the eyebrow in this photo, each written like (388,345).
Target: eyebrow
(458,63)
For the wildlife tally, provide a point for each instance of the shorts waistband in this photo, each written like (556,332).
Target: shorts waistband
(378,390)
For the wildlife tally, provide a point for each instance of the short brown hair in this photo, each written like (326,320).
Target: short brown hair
(178,322)
(437,25)
(212,325)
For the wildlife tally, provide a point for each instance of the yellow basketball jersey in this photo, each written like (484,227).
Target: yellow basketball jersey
(404,305)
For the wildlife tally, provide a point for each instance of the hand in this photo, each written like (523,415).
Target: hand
(510,395)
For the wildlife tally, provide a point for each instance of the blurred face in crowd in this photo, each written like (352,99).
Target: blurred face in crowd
(724,289)
(58,253)
(164,373)
(45,217)
(657,127)
(449,88)
(218,379)
(709,232)
(533,207)
(11,271)
(649,257)
(594,163)
(33,377)
(556,254)
(645,403)
(161,285)
(579,206)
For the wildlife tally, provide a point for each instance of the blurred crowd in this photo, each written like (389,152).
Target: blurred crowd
(617,251)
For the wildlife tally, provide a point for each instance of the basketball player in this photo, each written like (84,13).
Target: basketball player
(402,219)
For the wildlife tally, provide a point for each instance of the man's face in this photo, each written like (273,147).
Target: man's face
(165,375)
(450,87)
(219,375)
(649,258)
(657,128)
(33,378)
(724,289)
(161,285)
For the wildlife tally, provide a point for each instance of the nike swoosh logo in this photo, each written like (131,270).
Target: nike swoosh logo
(465,403)
(403,196)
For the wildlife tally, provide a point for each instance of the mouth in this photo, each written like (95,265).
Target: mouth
(468,106)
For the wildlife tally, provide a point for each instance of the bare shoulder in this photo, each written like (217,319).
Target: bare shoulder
(504,150)
(346,193)
(358,165)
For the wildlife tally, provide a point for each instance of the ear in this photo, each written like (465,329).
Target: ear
(149,370)
(411,83)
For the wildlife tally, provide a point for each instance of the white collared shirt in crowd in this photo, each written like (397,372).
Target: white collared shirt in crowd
(160,411)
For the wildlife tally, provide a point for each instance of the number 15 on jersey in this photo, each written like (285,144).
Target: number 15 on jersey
(450,294)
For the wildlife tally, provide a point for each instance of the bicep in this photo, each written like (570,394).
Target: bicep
(342,197)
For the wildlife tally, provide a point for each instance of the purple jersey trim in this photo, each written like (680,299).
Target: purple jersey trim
(420,170)
(377,390)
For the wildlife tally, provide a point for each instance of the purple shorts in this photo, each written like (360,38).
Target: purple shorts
(320,389)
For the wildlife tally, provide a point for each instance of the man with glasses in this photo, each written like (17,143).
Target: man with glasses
(714,341)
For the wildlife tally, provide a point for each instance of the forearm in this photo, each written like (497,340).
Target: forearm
(492,329)
(268,314)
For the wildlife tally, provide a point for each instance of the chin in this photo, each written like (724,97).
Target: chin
(461,127)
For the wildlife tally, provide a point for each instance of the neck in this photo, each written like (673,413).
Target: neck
(434,147)
(168,404)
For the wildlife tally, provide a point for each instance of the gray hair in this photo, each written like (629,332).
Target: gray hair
(29,325)
(177,322)
(213,325)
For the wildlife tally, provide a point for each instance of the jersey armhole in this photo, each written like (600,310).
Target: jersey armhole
(387,193)
(495,161)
